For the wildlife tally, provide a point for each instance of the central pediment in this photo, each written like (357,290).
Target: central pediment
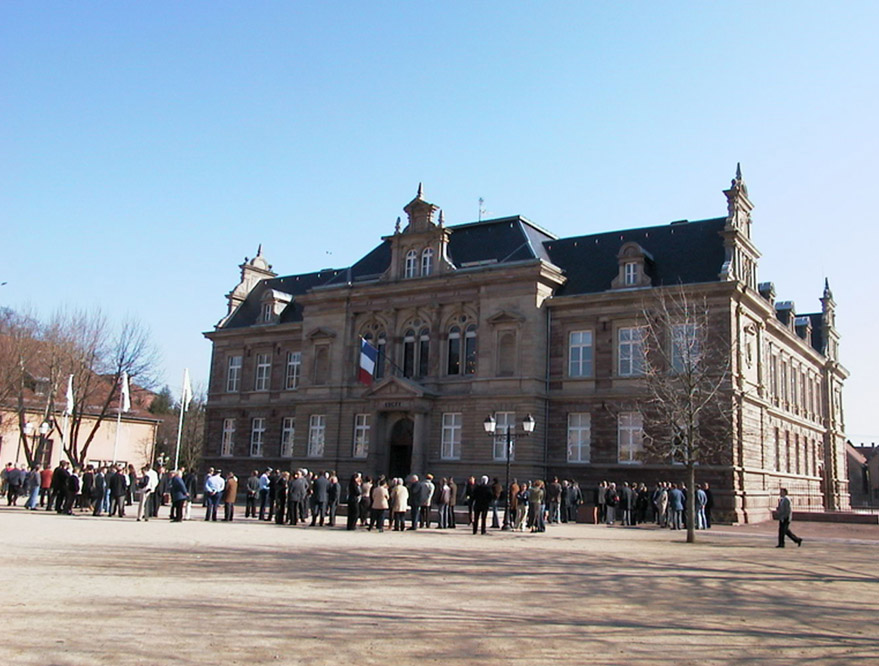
(398,388)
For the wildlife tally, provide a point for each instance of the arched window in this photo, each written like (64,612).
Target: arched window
(470,350)
(454,365)
(380,344)
(426,261)
(423,353)
(409,353)
(411,264)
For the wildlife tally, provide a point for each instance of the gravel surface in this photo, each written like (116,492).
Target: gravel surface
(84,590)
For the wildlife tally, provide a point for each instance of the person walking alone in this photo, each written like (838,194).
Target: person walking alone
(784,513)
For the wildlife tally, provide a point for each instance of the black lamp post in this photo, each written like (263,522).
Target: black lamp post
(490,425)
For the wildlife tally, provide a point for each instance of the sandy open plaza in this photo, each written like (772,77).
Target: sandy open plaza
(84,590)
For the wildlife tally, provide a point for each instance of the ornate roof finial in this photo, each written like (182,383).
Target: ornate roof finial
(827,292)
(442,218)
(738,170)
(259,250)
(420,194)
(397,225)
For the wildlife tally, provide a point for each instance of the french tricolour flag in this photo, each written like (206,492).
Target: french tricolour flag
(368,356)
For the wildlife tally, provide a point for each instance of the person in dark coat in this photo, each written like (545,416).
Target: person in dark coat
(252,485)
(334,491)
(298,494)
(283,514)
(73,487)
(482,498)
(319,497)
(59,487)
(88,483)
(98,490)
(418,495)
(353,500)
(118,490)
(453,501)
(179,496)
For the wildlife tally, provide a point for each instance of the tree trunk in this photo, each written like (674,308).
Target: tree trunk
(691,502)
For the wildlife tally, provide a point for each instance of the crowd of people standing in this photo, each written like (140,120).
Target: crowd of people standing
(295,497)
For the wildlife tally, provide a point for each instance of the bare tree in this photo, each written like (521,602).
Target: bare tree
(192,437)
(687,361)
(19,350)
(99,358)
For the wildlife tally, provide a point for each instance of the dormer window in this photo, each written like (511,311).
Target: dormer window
(634,262)
(426,261)
(411,264)
(272,305)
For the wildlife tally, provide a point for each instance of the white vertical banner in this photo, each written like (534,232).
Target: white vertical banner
(185,399)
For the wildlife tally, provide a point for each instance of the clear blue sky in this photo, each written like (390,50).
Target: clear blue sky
(146,148)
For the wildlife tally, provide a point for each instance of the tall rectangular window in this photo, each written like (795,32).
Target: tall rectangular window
(579,437)
(257,437)
(580,354)
(317,430)
(228,441)
(631,437)
(773,379)
(288,433)
(263,372)
(361,435)
(631,273)
(631,351)
(294,369)
(233,375)
(451,436)
(685,349)
(506,422)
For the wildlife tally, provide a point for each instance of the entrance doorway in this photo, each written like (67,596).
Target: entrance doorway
(400,449)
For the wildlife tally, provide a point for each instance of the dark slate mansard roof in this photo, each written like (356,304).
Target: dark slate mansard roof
(680,252)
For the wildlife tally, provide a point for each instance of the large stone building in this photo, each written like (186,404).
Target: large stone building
(502,317)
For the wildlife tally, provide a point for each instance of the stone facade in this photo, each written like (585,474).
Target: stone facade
(501,317)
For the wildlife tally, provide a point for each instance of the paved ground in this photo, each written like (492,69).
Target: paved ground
(82,590)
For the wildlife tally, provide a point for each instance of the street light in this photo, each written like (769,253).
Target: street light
(29,430)
(490,425)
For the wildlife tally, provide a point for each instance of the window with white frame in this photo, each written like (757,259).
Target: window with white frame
(411,269)
(268,311)
(426,261)
(505,422)
(631,351)
(294,369)
(257,437)
(317,431)
(630,274)
(451,436)
(361,435)
(263,372)
(580,354)
(228,442)
(685,349)
(579,437)
(631,437)
(288,433)
(233,375)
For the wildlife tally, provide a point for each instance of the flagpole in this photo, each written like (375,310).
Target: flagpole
(179,435)
(118,425)
(185,397)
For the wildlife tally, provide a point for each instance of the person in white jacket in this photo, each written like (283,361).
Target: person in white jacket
(148,484)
